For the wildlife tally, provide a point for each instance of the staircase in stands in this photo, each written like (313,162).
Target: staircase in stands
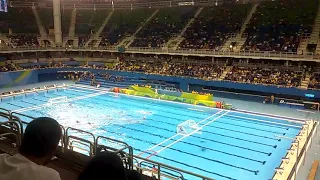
(126,42)
(6,40)
(76,41)
(174,42)
(239,38)
(97,42)
(97,34)
(311,39)
(43,33)
(305,82)
(314,37)
(225,72)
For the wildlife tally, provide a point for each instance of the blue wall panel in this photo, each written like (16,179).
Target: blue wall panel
(9,79)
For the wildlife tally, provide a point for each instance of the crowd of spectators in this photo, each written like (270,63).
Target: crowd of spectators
(123,23)
(203,71)
(82,40)
(24,40)
(315,81)
(281,77)
(275,25)
(279,25)
(9,66)
(167,23)
(211,28)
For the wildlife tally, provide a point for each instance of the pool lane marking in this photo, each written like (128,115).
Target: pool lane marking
(29,103)
(273,126)
(168,130)
(196,109)
(238,132)
(89,88)
(178,134)
(152,153)
(277,117)
(69,89)
(259,120)
(15,105)
(69,100)
(188,165)
(151,149)
(272,116)
(243,133)
(185,136)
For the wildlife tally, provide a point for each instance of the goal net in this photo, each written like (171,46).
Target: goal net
(311,105)
(188,127)
(57,100)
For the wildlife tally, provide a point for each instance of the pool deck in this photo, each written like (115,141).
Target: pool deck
(313,153)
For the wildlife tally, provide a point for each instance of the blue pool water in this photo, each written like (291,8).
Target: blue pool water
(230,145)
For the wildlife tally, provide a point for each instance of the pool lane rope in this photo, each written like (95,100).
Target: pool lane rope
(152,153)
(274,146)
(69,100)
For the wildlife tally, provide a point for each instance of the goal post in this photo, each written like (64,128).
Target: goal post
(188,127)
(311,105)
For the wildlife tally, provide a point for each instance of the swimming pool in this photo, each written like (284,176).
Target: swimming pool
(230,144)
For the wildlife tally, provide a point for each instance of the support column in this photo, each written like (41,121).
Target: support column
(57,22)
(184,86)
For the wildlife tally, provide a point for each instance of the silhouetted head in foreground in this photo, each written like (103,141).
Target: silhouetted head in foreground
(105,165)
(40,140)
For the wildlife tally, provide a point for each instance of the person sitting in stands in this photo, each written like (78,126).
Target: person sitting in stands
(38,146)
(266,100)
(109,165)
(272,99)
(93,82)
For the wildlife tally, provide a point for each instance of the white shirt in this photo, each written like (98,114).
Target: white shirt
(18,167)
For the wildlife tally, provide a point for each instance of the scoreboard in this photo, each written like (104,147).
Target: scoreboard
(3,6)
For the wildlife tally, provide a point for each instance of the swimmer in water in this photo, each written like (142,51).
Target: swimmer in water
(144,118)
(78,122)
(203,149)
(181,130)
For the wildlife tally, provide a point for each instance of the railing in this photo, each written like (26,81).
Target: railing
(194,52)
(16,132)
(109,5)
(303,150)
(163,170)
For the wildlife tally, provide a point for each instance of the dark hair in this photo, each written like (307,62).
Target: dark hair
(105,164)
(41,137)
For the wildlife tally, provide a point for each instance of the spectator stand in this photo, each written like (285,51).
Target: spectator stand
(210,29)
(122,24)
(167,23)
(88,21)
(259,74)
(278,25)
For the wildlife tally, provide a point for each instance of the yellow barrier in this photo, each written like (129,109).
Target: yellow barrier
(196,96)
(313,171)
(143,89)
(190,98)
